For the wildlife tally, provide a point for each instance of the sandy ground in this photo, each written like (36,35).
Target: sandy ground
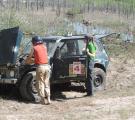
(117,102)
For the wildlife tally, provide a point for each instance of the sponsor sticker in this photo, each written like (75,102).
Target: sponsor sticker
(76,67)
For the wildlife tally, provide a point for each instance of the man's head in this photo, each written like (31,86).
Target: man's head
(89,38)
(37,40)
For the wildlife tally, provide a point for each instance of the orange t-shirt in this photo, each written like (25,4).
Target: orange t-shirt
(40,54)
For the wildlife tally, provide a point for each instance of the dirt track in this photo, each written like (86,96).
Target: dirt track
(115,103)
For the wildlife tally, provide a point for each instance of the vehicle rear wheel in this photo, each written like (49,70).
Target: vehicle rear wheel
(99,82)
(28,87)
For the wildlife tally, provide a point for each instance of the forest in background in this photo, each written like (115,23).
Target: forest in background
(49,16)
(126,7)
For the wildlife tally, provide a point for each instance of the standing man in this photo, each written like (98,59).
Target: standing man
(39,51)
(91,52)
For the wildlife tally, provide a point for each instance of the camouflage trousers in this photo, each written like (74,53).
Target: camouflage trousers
(43,83)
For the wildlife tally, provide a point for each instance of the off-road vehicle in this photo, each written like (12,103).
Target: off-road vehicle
(67,59)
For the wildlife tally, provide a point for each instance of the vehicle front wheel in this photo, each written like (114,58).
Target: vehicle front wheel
(99,81)
(28,87)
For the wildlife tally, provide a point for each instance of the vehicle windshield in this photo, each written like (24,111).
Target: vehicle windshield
(26,47)
(50,47)
(73,47)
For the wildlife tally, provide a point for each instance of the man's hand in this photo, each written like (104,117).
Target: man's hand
(29,60)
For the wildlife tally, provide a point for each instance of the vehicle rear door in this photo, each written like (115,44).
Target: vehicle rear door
(71,65)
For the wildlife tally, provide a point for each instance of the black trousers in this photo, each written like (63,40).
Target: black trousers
(90,77)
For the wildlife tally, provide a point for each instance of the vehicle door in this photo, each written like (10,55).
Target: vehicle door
(71,61)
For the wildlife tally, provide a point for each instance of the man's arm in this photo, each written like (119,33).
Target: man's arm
(30,59)
(90,54)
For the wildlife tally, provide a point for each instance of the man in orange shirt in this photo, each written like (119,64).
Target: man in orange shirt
(39,51)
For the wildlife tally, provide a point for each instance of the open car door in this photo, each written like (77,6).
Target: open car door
(70,61)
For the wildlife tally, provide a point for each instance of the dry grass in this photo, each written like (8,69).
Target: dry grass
(48,21)
(111,20)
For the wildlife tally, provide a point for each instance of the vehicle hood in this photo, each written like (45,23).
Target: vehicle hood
(9,45)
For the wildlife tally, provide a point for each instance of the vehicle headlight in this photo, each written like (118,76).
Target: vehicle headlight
(12,73)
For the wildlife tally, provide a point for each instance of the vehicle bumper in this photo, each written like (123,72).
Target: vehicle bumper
(8,81)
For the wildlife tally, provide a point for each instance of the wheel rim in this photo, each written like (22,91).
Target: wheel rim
(33,86)
(98,80)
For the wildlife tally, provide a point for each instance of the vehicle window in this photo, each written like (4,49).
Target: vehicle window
(64,50)
(81,46)
(73,47)
(25,46)
(50,47)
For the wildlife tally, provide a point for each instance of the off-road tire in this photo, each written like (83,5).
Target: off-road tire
(99,82)
(26,87)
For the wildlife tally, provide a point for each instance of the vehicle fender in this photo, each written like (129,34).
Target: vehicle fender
(23,71)
(100,64)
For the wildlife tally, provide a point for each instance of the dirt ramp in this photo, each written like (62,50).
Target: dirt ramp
(121,74)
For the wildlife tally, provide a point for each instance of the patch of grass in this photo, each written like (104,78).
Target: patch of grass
(114,24)
(116,47)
